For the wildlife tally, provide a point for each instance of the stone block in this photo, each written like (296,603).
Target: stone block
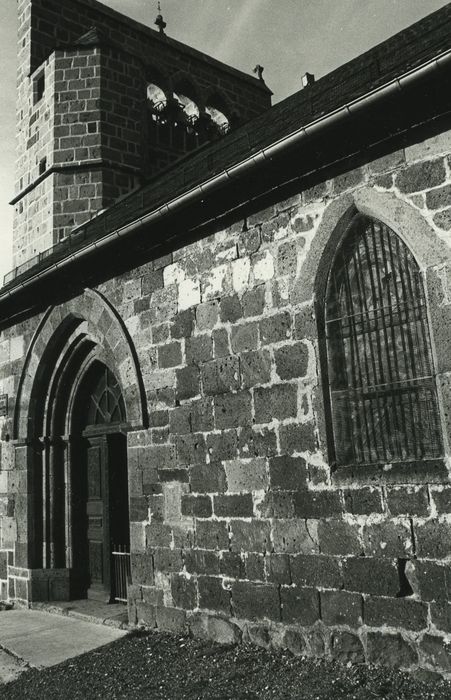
(442,499)
(207,315)
(230,309)
(208,478)
(167,560)
(191,449)
(315,570)
(441,616)
(170,355)
(244,337)
(295,536)
(146,614)
(221,376)
(278,401)
(291,360)
(253,301)
(202,419)
(276,504)
(298,437)
(196,506)
(363,501)
(257,442)
(199,349)
(371,575)
(142,569)
(317,504)
(436,651)
(274,329)
(395,612)
(221,345)
(433,539)
(432,579)
(222,445)
(171,619)
(250,536)
(300,605)
(347,648)
(287,259)
(278,569)
(439,198)
(390,650)
(214,629)
(233,410)
(212,534)
(295,641)
(158,534)
(408,500)
(234,506)
(341,608)
(180,420)
(259,635)
(201,561)
(255,368)
(213,595)
(254,564)
(255,601)
(183,324)
(184,592)
(388,539)
(421,176)
(249,241)
(231,565)
(245,475)
(443,219)
(339,537)
(287,473)
(348,180)
(188,382)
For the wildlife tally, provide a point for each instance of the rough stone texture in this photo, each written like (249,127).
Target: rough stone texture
(242,525)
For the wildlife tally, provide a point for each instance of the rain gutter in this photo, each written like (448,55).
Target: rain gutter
(235,172)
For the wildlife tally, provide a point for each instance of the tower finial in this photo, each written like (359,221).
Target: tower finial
(258,70)
(161,24)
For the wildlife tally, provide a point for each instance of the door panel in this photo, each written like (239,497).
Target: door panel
(97,512)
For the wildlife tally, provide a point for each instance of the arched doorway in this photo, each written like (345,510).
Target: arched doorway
(99,485)
(80,393)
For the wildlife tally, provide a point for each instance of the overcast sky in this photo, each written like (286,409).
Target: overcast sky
(287,37)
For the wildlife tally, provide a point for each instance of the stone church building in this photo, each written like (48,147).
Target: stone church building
(225,358)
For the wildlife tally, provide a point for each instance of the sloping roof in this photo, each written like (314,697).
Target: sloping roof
(404,51)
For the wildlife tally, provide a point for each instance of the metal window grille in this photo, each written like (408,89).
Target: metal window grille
(121,572)
(381,375)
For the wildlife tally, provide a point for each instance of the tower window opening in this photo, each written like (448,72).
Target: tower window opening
(219,119)
(42,166)
(39,87)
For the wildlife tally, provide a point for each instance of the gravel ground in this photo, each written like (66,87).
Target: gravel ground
(157,666)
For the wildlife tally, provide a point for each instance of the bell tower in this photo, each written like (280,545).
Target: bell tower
(103,104)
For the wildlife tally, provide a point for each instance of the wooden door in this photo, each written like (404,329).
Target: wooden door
(98,519)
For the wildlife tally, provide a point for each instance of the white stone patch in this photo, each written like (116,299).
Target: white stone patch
(216,282)
(4,351)
(173,274)
(241,269)
(133,324)
(264,267)
(227,255)
(17,347)
(189,294)
(159,379)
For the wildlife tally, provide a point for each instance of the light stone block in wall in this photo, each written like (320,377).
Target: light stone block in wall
(17,347)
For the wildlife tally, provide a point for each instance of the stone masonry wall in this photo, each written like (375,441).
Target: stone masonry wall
(239,528)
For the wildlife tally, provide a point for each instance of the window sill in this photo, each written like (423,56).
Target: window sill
(411,472)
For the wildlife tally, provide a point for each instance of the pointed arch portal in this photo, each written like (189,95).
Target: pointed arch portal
(79,395)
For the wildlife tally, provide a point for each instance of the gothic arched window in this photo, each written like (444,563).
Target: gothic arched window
(383,393)
(105,403)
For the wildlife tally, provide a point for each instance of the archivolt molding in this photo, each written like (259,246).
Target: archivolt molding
(91,318)
(405,220)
